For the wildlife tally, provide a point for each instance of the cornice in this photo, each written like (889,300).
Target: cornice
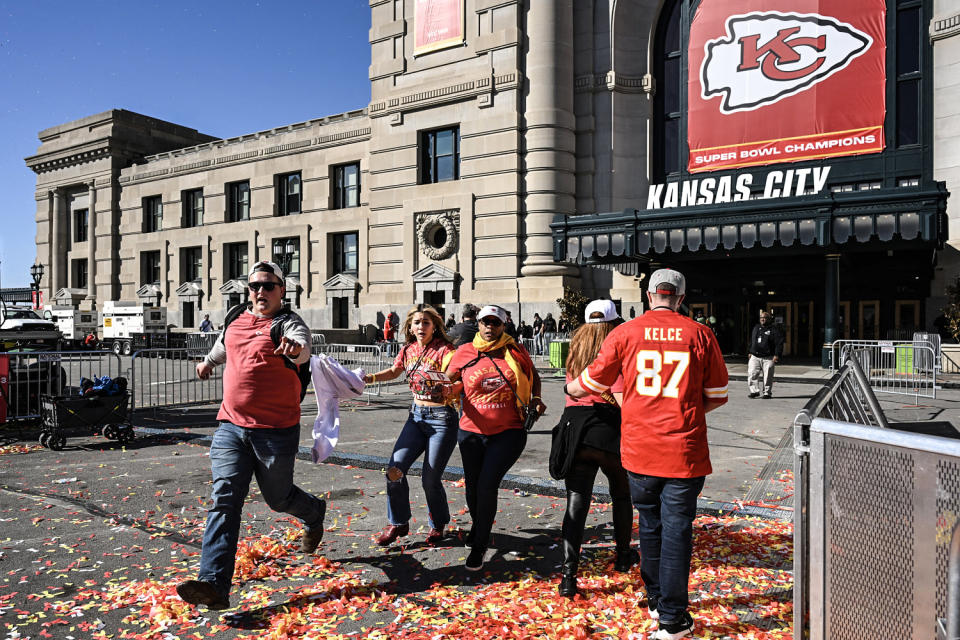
(70,156)
(944,26)
(458,92)
(299,146)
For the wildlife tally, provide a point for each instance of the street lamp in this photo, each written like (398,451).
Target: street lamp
(36,272)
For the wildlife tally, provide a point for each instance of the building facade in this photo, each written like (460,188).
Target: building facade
(488,121)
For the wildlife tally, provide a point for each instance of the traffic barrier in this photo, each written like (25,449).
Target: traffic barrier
(904,368)
(200,343)
(370,358)
(875,510)
(168,377)
(37,373)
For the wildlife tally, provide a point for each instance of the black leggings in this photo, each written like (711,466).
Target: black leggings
(486,460)
(579,484)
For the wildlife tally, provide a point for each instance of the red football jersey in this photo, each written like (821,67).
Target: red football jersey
(670,365)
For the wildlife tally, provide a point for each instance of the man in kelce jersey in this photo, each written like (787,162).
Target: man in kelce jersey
(673,374)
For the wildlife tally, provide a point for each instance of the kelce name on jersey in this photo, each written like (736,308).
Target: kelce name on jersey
(662,334)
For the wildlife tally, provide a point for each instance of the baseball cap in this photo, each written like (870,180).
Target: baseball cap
(606,307)
(267,267)
(668,282)
(492,310)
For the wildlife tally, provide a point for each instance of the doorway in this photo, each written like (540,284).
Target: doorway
(869,326)
(436,299)
(783,318)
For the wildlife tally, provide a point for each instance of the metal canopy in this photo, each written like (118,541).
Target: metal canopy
(913,214)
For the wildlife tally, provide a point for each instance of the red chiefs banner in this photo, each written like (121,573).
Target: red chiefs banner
(784,80)
(438,24)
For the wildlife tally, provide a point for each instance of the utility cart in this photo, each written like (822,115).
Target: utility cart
(84,415)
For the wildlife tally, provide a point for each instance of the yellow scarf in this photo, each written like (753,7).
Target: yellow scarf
(523,381)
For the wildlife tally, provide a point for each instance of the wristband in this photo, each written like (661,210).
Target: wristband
(565,392)
(373,378)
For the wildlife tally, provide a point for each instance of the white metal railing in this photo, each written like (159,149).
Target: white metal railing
(36,373)
(168,377)
(930,340)
(906,368)
(370,358)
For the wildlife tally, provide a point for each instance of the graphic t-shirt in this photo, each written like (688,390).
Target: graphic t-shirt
(424,367)
(490,405)
(671,365)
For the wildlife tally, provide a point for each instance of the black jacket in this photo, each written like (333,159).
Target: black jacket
(766,341)
(463,332)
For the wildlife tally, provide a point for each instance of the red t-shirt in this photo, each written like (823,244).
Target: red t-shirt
(670,366)
(421,371)
(490,405)
(259,390)
(594,398)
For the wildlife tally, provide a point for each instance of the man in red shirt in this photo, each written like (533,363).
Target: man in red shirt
(259,432)
(673,374)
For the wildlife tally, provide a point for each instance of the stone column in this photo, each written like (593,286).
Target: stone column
(92,245)
(56,247)
(549,141)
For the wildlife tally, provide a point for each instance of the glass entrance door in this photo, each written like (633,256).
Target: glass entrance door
(869,326)
(783,318)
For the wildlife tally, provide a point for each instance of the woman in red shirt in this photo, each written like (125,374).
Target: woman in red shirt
(498,381)
(431,427)
(591,429)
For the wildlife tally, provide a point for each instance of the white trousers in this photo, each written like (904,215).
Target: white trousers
(760,374)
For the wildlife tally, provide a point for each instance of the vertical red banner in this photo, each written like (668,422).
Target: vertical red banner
(438,24)
(785,80)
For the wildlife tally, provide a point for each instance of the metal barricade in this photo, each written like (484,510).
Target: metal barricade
(317,339)
(168,377)
(37,373)
(876,510)
(370,358)
(904,368)
(200,343)
(930,340)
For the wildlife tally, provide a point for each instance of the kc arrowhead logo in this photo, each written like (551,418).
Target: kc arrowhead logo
(768,56)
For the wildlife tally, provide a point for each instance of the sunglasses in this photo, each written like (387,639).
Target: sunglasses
(491,321)
(266,286)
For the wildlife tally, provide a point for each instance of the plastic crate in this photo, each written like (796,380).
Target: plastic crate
(558,353)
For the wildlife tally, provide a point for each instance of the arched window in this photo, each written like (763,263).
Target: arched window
(669,139)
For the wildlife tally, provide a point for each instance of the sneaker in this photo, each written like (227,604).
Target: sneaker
(624,561)
(203,592)
(767,396)
(652,609)
(753,394)
(675,630)
(391,533)
(475,560)
(435,537)
(312,537)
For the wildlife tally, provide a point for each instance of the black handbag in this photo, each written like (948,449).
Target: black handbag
(559,444)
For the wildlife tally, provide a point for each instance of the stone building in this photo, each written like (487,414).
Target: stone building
(488,121)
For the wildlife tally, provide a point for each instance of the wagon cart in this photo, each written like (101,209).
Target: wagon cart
(84,415)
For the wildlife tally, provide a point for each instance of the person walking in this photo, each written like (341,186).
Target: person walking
(673,374)
(464,331)
(590,440)
(499,383)
(206,326)
(766,349)
(431,426)
(259,432)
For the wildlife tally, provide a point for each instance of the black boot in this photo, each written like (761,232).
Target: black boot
(622,532)
(578,505)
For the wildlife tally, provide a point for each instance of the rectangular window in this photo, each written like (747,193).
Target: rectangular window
(911,35)
(192,204)
(346,186)
(344,252)
(80,225)
(152,214)
(440,155)
(237,265)
(80,274)
(238,201)
(191,264)
(286,253)
(908,112)
(288,194)
(149,267)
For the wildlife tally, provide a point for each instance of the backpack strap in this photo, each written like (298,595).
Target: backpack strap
(232,315)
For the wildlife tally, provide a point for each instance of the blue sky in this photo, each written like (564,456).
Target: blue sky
(223,68)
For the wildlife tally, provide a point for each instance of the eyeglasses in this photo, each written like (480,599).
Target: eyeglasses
(490,321)
(266,286)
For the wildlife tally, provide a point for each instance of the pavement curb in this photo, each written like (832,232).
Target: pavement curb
(528,484)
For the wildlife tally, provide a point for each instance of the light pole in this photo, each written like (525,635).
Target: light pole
(36,272)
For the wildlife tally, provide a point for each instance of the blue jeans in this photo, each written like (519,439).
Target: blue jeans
(236,454)
(486,459)
(667,508)
(430,430)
